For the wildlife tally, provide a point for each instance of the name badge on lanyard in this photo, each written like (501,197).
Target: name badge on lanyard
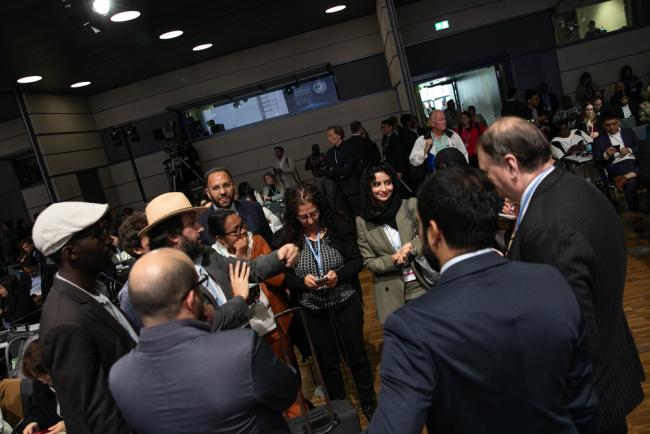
(316,254)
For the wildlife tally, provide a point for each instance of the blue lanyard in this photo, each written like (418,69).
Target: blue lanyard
(316,254)
(523,205)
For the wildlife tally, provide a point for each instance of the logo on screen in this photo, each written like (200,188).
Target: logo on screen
(319,86)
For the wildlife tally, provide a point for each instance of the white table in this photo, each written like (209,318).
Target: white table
(579,162)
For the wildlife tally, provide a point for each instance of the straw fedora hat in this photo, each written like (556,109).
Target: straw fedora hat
(165,206)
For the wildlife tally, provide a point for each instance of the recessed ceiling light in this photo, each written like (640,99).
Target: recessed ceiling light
(102,7)
(29,79)
(202,47)
(125,16)
(80,84)
(335,9)
(171,35)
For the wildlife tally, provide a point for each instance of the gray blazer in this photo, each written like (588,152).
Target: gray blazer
(377,253)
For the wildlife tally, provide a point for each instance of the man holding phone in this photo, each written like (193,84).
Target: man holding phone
(615,151)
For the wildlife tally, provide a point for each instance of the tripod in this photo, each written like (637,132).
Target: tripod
(173,168)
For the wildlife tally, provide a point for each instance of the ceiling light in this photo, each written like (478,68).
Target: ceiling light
(202,47)
(80,84)
(171,35)
(29,79)
(125,16)
(335,9)
(102,6)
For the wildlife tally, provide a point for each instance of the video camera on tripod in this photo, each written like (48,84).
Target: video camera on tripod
(181,166)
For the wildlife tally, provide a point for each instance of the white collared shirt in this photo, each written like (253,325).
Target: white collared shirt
(532,187)
(106,304)
(617,140)
(465,256)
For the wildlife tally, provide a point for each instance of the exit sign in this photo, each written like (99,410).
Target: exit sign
(442,25)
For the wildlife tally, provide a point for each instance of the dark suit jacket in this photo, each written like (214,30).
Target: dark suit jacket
(251,212)
(43,408)
(367,149)
(495,346)
(80,341)
(571,225)
(394,152)
(47,277)
(19,306)
(182,378)
(602,142)
(343,166)
(515,108)
(235,312)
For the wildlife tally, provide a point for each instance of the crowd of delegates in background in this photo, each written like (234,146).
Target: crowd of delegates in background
(191,280)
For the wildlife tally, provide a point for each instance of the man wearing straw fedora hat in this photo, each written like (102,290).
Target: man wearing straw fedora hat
(172,222)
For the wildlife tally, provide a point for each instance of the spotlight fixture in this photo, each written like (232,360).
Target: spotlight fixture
(102,7)
(171,35)
(335,9)
(80,84)
(202,47)
(125,16)
(29,79)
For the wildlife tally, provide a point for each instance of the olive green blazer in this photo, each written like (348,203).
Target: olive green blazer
(377,252)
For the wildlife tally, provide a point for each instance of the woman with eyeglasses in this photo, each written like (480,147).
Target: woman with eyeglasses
(387,238)
(590,123)
(232,239)
(323,284)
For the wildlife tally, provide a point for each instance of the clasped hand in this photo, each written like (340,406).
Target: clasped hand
(331,282)
(401,257)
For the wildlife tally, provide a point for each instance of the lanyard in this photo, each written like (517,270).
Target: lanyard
(316,253)
(523,205)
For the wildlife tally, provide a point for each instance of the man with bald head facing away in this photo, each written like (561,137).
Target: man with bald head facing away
(183,378)
(565,222)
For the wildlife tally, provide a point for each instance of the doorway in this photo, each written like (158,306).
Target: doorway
(480,88)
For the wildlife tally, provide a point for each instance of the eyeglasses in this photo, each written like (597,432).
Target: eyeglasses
(202,281)
(241,229)
(312,215)
(589,109)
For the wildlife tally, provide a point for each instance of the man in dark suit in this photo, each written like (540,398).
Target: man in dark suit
(565,222)
(220,189)
(513,107)
(37,278)
(496,346)
(226,382)
(616,152)
(82,333)
(392,149)
(367,148)
(343,166)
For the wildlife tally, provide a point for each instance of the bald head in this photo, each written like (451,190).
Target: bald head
(158,283)
(518,137)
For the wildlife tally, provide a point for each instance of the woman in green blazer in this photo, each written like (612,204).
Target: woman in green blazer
(387,237)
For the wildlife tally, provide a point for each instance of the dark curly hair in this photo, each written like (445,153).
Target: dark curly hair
(329,218)
(128,232)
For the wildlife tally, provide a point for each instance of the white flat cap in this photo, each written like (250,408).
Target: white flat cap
(60,221)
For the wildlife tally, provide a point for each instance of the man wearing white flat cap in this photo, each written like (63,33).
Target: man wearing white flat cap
(82,333)
(173,223)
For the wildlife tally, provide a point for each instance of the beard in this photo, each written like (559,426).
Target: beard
(428,253)
(191,249)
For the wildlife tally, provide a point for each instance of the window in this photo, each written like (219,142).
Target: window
(214,118)
(26,169)
(592,20)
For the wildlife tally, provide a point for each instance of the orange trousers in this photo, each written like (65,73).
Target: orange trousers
(274,340)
